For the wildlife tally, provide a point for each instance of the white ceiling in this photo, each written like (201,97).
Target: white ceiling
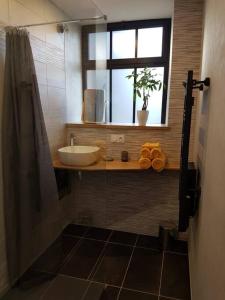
(117,10)
(125,10)
(78,9)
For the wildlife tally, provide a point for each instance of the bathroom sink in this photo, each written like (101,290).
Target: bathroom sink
(79,155)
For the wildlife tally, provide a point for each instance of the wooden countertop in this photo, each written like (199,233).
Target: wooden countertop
(118,126)
(109,166)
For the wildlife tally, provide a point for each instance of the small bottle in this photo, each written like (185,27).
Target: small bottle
(124,156)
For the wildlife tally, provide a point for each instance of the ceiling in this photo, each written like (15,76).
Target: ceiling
(125,10)
(117,10)
(78,9)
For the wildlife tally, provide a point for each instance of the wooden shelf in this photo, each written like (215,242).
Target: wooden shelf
(109,166)
(118,126)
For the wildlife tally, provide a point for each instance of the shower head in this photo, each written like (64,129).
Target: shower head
(61,28)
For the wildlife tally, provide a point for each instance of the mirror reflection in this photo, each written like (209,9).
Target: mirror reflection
(94,106)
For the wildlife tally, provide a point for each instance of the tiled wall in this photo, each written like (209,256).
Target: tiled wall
(51,54)
(129,201)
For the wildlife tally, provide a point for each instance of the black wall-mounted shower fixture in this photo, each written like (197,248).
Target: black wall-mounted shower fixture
(189,182)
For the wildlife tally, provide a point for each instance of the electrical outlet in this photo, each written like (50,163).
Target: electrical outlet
(117,138)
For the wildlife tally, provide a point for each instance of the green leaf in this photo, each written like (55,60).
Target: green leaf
(139,93)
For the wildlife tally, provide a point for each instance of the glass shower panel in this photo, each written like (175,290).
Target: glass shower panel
(98,45)
(82,194)
(99,79)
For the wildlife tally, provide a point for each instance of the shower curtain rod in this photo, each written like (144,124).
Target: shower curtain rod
(61,22)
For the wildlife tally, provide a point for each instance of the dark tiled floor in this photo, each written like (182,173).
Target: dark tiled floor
(75,230)
(148,242)
(99,291)
(83,260)
(123,238)
(55,256)
(144,271)
(98,234)
(113,265)
(100,264)
(133,295)
(175,276)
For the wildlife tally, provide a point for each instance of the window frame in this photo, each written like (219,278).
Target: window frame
(130,63)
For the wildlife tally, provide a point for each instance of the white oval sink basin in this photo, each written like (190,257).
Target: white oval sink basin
(79,155)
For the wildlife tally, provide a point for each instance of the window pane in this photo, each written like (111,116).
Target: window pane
(122,96)
(99,79)
(155,102)
(98,45)
(150,42)
(123,44)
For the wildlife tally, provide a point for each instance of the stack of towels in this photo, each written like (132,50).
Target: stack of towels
(152,156)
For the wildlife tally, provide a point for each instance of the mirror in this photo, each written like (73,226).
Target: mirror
(94,106)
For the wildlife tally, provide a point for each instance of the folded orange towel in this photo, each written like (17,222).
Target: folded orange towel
(158,164)
(151,145)
(145,152)
(157,153)
(145,163)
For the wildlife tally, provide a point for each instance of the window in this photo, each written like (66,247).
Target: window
(127,47)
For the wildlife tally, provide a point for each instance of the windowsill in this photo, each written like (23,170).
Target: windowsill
(118,126)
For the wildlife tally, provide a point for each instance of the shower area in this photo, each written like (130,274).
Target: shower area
(65,233)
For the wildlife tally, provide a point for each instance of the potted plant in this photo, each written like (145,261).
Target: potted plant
(145,82)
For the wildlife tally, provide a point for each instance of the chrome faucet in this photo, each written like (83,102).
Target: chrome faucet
(72,139)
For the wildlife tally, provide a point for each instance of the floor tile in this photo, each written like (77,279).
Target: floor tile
(98,233)
(178,246)
(84,259)
(53,258)
(175,277)
(123,238)
(146,241)
(32,278)
(110,293)
(34,293)
(98,291)
(133,295)
(76,230)
(66,288)
(113,265)
(144,271)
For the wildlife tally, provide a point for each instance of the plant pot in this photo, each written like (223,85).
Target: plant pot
(142,116)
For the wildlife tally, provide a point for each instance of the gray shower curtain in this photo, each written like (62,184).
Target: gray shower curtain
(30,191)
